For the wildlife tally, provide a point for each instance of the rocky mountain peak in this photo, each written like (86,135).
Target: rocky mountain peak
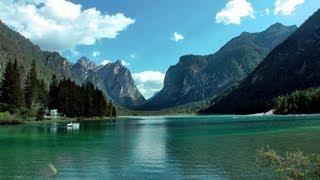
(86,63)
(118,63)
(278,27)
(117,82)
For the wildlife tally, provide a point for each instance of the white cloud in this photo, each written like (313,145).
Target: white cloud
(286,7)
(74,52)
(267,11)
(234,11)
(125,63)
(60,24)
(177,37)
(264,12)
(149,82)
(133,56)
(105,62)
(96,53)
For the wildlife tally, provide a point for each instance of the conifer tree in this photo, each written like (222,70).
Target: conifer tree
(114,112)
(6,85)
(75,101)
(110,108)
(31,88)
(18,95)
(62,101)
(53,93)
(100,103)
(11,93)
(43,95)
(89,100)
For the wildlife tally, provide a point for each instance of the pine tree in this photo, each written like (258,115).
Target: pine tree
(100,103)
(114,112)
(31,88)
(89,100)
(73,100)
(53,93)
(61,98)
(6,85)
(11,93)
(109,109)
(18,95)
(7,88)
(43,95)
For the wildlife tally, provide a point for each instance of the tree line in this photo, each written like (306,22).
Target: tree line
(79,101)
(31,97)
(306,101)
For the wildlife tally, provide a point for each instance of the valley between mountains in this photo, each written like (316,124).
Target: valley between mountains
(244,76)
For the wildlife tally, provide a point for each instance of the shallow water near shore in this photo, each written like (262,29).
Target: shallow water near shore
(205,147)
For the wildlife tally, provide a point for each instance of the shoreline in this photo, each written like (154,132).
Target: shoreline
(18,121)
(14,122)
(11,122)
(193,114)
(69,120)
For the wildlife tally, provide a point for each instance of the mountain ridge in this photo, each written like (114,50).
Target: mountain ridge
(293,65)
(196,78)
(15,46)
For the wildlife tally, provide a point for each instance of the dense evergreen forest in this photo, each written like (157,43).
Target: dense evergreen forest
(299,102)
(79,101)
(30,97)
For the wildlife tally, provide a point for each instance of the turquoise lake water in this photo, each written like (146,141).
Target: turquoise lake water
(189,147)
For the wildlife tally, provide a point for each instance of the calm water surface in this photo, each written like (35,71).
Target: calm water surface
(192,147)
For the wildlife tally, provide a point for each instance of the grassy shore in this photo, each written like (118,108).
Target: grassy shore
(63,119)
(9,119)
(11,122)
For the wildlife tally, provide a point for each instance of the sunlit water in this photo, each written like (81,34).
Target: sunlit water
(207,147)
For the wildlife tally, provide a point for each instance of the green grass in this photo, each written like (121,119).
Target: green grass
(9,119)
(290,165)
(6,119)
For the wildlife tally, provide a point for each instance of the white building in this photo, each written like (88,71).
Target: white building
(54,112)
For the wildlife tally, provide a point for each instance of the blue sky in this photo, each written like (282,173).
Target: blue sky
(148,35)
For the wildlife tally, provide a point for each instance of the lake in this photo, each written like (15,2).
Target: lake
(192,147)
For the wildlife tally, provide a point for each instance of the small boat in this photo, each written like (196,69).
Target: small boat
(73,125)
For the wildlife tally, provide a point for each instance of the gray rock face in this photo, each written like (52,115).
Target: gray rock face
(196,78)
(58,64)
(113,79)
(119,84)
(82,69)
(181,81)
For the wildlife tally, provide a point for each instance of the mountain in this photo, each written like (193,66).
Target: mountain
(116,81)
(82,69)
(197,78)
(293,65)
(113,79)
(58,65)
(14,46)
